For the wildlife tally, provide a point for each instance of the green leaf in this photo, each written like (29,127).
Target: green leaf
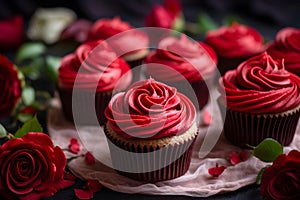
(30,51)
(52,64)
(3,132)
(28,95)
(32,125)
(206,23)
(260,173)
(268,150)
(33,70)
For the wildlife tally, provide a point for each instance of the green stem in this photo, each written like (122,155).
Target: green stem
(251,147)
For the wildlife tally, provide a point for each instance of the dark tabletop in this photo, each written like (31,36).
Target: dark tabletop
(265,15)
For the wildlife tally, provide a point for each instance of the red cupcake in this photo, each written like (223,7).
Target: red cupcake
(129,43)
(263,101)
(234,44)
(151,130)
(88,77)
(187,65)
(287,46)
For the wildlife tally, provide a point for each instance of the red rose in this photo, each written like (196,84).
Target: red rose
(31,167)
(282,179)
(10,87)
(11,34)
(164,16)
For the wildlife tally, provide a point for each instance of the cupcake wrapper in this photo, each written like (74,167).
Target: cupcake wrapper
(145,163)
(241,128)
(84,113)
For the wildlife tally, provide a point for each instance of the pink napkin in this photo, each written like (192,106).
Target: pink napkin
(196,182)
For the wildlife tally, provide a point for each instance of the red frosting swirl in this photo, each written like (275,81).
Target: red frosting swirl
(105,28)
(287,46)
(150,109)
(193,60)
(235,41)
(94,65)
(260,85)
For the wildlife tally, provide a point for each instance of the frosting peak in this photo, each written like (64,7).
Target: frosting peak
(150,109)
(261,85)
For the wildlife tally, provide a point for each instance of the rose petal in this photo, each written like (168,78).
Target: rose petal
(234,158)
(74,146)
(243,156)
(206,120)
(83,194)
(38,138)
(94,185)
(66,183)
(89,158)
(216,171)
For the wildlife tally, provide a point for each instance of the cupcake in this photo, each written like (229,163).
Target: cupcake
(262,101)
(88,77)
(234,44)
(187,65)
(129,43)
(151,130)
(287,45)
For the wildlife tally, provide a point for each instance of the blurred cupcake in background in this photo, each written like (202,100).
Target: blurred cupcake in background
(128,42)
(287,46)
(185,64)
(262,100)
(90,75)
(234,44)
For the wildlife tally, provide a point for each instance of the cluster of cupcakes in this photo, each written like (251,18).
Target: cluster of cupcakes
(155,109)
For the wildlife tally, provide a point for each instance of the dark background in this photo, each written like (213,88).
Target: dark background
(267,16)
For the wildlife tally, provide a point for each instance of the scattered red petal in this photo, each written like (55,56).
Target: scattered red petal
(236,158)
(83,194)
(69,176)
(94,185)
(66,183)
(206,118)
(243,156)
(89,158)
(74,146)
(216,171)
(88,190)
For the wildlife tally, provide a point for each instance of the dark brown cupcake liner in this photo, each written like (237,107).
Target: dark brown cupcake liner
(172,162)
(84,112)
(242,128)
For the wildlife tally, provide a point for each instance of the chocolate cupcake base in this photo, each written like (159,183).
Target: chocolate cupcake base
(243,129)
(84,114)
(151,160)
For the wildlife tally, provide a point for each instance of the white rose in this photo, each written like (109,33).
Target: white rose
(47,23)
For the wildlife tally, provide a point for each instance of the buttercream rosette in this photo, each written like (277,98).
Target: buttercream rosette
(262,100)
